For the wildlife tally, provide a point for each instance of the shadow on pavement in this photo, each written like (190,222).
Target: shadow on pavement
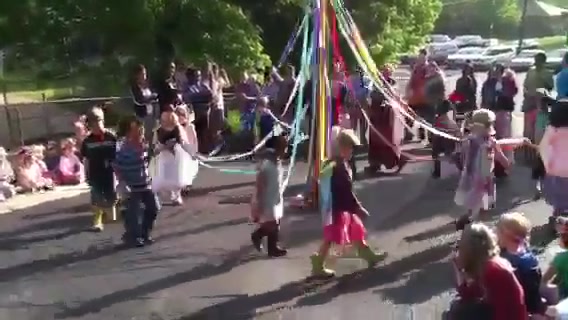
(56,261)
(380,276)
(421,285)
(245,306)
(201,229)
(238,257)
(439,200)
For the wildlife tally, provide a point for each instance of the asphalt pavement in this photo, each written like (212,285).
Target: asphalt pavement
(202,265)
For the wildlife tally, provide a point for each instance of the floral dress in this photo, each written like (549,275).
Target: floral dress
(476,188)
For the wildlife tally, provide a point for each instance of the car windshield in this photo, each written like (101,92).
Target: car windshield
(468,37)
(471,51)
(438,38)
(528,54)
(494,52)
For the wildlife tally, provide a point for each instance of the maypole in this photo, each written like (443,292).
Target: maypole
(319,76)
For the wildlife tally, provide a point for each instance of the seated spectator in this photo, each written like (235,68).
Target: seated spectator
(38,153)
(30,174)
(7,189)
(513,231)
(52,154)
(487,286)
(555,278)
(81,131)
(70,170)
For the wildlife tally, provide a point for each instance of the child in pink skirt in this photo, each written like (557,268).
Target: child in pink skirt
(341,210)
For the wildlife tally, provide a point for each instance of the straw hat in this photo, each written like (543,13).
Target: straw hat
(484,118)
(348,137)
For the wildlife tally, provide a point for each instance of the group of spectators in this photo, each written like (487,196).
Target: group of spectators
(40,168)
(498,275)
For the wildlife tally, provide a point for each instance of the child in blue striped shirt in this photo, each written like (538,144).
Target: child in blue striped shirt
(131,167)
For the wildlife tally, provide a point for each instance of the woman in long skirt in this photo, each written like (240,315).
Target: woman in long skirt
(554,152)
(384,149)
(506,89)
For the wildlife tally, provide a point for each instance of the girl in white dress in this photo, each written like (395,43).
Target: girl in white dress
(186,118)
(171,161)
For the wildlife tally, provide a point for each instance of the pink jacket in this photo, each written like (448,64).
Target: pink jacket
(554,151)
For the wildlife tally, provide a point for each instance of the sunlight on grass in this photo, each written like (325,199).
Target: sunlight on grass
(551,43)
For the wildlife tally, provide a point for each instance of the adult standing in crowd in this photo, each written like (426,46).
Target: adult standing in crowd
(247,92)
(144,100)
(415,91)
(200,96)
(466,88)
(219,81)
(498,95)
(538,77)
(286,84)
(562,79)
(166,87)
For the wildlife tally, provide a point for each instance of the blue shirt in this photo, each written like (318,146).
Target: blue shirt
(131,164)
(562,83)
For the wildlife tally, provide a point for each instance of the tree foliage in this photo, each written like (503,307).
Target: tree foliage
(488,18)
(240,34)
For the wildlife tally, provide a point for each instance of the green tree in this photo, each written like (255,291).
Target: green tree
(488,18)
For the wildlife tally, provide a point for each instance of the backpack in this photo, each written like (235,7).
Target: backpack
(324,193)
(529,275)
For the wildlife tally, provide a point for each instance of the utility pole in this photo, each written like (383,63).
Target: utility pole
(522,26)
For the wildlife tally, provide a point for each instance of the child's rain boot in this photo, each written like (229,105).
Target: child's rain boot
(367,254)
(318,267)
(98,214)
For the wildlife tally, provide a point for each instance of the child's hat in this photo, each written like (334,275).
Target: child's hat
(348,136)
(484,118)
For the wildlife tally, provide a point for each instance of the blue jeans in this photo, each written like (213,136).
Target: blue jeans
(138,221)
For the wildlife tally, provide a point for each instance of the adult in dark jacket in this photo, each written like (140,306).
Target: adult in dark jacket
(144,100)
(466,87)
(166,87)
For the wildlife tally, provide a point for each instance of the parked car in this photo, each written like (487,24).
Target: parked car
(491,42)
(493,55)
(439,52)
(439,38)
(469,41)
(554,58)
(464,55)
(524,60)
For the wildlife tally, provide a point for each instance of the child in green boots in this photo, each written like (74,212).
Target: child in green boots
(341,210)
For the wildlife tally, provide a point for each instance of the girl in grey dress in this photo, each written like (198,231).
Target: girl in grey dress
(268,204)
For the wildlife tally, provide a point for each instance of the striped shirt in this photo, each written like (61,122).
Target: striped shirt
(131,165)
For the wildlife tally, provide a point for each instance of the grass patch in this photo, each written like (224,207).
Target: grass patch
(22,87)
(551,43)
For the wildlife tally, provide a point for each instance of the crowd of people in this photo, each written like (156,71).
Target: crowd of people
(179,117)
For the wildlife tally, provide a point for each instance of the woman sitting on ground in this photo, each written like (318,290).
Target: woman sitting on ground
(70,169)
(7,189)
(30,174)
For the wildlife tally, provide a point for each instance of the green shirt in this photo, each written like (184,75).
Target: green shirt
(538,79)
(560,264)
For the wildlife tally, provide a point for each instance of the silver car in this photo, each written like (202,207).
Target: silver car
(494,55)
